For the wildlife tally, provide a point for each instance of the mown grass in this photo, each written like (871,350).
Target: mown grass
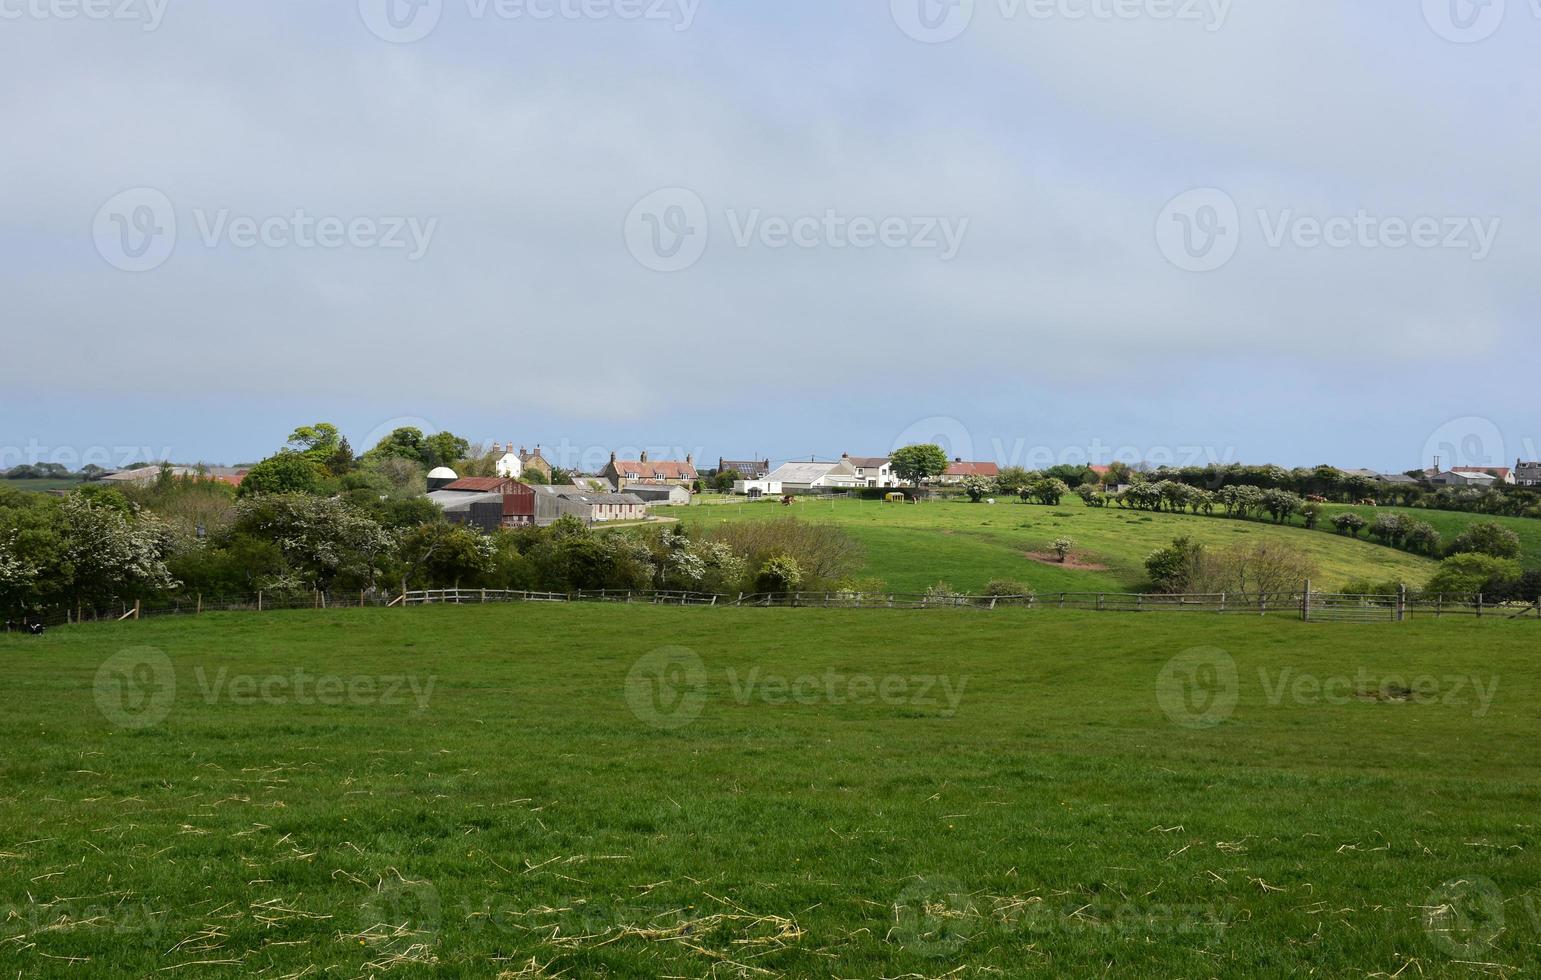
(912,547)
(1038,814)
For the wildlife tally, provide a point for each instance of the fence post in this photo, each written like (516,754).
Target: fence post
(259,600)
(1222,602)
(1262,603)
(1402,602)
(137,606)
(1101,598)
(1479,605)
(200,602)
(1305,603)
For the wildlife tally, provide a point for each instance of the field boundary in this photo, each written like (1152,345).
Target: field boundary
(1309,606)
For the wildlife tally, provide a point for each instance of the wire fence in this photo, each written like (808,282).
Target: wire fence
(1310,606)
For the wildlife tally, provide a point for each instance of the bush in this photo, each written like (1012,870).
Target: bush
(1172,568)
(1465,576)
(1002,588)
(779,574)
(1487,538)
(1350,524)
(1062,548)
(824,555)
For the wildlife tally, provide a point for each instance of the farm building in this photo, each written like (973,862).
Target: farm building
(1457,478)
(621,473)
(1527,474)
(661,494)
(802,478)
(553,502)
(146,474)
(1501,474)
(441,477)
(487,503)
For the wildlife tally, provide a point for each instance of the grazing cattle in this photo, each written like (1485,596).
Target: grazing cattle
(788,500)
(1367,502)
(1316,498)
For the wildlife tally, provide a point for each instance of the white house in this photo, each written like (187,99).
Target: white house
(509,464)
(872,471)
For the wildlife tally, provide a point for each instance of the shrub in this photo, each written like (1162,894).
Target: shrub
(1008,589)
(1172,568)
(779,574)
(1487,538)
(1464,576)
(1062,548)
(824,555)
(1349,523)
(976,488)
(1263,567)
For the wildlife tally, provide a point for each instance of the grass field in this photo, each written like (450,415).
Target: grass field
(543,791)
(966,545)
(40,486)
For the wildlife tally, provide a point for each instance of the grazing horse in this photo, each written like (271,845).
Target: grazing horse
(788,500)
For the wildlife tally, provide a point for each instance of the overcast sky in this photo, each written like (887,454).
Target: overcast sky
(1035,229)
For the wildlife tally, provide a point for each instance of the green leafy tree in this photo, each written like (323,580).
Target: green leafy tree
(919,463)
(406,442)
(1487,538)
(1350,524)
(779,574)
(444,449)
(1172,569)
(1010,481)
(288,472)
(1048,491)
(1467,575)
(724,480)
(976,487)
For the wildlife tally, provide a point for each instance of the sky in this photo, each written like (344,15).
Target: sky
(1037,231)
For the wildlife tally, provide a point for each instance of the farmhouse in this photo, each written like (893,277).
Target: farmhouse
(621,473)
(1527,474)
(517,464)
(958,471)
(872,471)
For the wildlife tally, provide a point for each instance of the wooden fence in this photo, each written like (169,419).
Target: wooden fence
(1311,606)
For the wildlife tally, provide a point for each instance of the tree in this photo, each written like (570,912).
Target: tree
(1391,529)
(318,441)
(724,480)
(1062,547)
(1048,491)
(1172,569)
(976,487)
(1422,537)
(1118,474)
(1487,538)
(323,541)
(288,472)
(105,556)
(1011,480)
(918,463)
(1467,575)
(444,449)
(406,442)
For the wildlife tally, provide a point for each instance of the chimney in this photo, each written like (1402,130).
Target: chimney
(690,460)
(643,457)
(612,455)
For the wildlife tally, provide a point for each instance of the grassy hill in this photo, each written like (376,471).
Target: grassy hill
(912,547)
(1451,523)
(41,486)
(459,791)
